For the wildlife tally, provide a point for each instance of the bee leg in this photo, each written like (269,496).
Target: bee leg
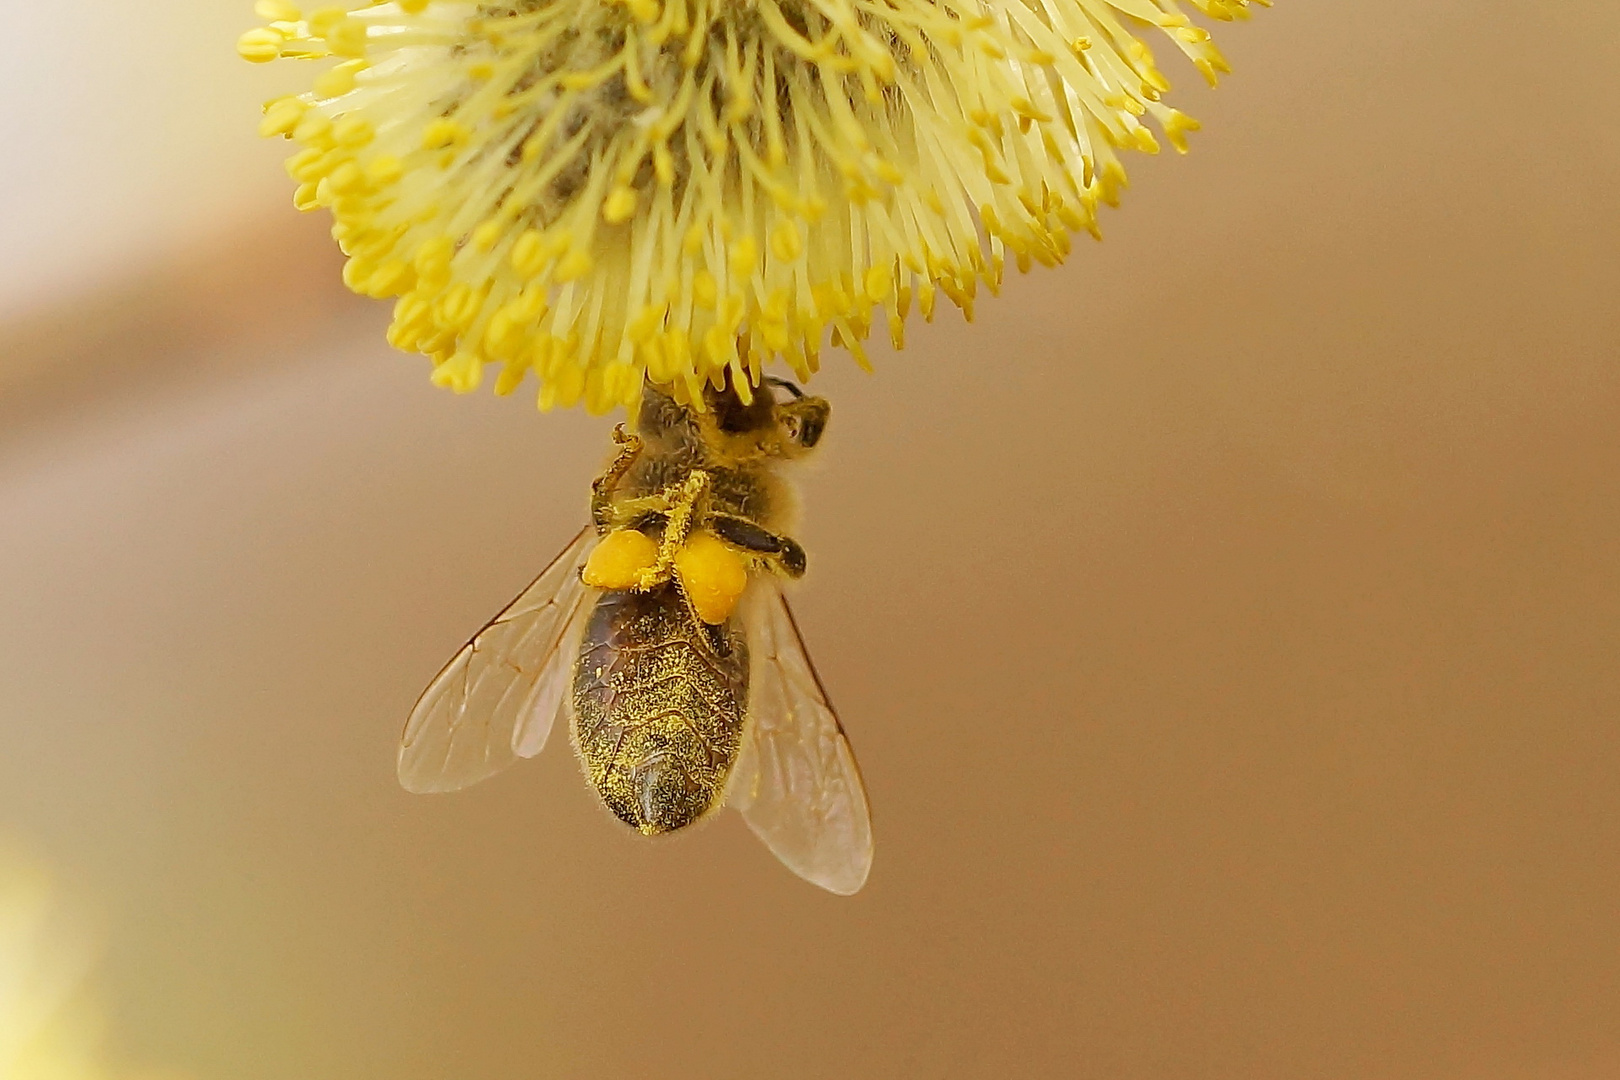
(716,638)
(713,636)
(602,510)
(644,517)
(742,533)
(682,501)
(641,514)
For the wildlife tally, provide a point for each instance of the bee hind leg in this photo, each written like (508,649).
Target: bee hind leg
(682,502)
(745,534)
(713,636)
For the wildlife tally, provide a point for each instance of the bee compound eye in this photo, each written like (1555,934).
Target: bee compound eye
(810,429)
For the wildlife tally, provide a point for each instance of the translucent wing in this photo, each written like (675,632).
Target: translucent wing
(497,700)
(795,780)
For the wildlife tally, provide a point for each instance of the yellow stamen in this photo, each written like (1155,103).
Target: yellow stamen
(593,191)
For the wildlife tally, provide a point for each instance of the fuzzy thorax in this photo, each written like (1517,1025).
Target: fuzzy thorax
(591,190)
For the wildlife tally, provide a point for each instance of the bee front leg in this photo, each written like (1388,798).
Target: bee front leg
(602,509)
(745,534)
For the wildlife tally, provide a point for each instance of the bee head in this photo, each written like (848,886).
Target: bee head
(733,416)
(768,424)
(802,419)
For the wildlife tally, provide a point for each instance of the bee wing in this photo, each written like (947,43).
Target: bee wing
(497,700)
(796,781)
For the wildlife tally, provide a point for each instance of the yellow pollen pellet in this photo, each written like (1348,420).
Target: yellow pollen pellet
(617,561)
(712,575)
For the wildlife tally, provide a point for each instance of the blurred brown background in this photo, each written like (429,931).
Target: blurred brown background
(1227,622)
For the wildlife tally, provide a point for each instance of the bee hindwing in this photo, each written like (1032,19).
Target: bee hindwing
(497,700)
(796,781)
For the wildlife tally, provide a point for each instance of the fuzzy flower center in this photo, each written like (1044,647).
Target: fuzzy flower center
(596,191)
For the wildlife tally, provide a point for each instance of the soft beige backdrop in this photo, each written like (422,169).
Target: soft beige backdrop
(1228,625)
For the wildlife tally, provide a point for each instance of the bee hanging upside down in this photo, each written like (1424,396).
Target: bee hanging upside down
(662,633)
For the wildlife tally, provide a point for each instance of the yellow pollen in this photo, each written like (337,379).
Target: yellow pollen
(596,191)
(619,559)
(712,576)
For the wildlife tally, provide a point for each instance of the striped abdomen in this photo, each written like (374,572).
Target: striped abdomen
(658,714)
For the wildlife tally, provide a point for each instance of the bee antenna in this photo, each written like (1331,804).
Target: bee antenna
(771,380)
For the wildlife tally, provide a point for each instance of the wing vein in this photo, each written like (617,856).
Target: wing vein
(481,710)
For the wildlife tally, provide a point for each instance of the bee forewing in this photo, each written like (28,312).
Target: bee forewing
(796,781)
(497,699)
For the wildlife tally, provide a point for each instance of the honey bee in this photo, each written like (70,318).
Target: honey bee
(663,635)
